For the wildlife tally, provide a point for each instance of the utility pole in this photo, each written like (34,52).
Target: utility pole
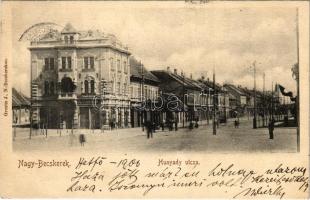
(208,106)
(254,119)
(264,103)
(31,103)
(142,99)
(225,116)
(183,76)
(297,79)
(272,101)
(214,98)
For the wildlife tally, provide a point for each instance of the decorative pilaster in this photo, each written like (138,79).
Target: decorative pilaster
(129,117)
(107,116)
(122,117)
(76,121)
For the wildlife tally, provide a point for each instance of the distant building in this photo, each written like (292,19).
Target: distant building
(20,108)
(191,104)
(221,98)
(74,74)
(140,77)
(237,99)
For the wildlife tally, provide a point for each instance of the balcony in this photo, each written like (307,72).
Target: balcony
(66,95)
(88,69)
(65,70)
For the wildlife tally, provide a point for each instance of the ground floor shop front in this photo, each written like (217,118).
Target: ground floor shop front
(80,114)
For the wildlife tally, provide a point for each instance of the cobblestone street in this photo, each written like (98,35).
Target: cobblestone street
(227,139)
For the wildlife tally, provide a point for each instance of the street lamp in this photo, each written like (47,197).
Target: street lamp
(142,96)
(183,79)
(254,119)
(214,111)
(102,95)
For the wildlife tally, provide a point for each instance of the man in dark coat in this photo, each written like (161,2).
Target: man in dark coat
(271,128)
(149,129)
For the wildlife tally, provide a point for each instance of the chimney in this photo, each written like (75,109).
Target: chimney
(175,71)
(203,77)
(191,76)
(168,69)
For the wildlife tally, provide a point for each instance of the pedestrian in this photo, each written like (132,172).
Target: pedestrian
(154,127)
(175,125)
(196,123)
(271,128)
(237,123)
(217,123)
(170,125)
(149,128)
(191,125)
(82,139)
(111,125)
(163,125)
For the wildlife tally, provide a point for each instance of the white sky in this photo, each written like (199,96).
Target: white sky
(192,38)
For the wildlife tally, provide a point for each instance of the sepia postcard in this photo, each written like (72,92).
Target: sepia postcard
(154,99)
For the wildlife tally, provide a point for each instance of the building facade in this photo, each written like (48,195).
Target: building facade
(80,79)
(238,100)
(186,97)
(141,100)
(20,108)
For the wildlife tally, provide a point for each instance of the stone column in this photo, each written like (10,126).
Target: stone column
(107,116)
(76,121)
(116,115)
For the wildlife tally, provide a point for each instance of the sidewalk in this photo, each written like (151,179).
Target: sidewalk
(23,133)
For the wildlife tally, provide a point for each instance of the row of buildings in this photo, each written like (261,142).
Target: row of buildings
(89,79)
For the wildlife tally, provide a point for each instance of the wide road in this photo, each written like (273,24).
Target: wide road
(227,140)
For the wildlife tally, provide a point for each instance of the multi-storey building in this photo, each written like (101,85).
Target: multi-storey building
(140,78)
(80,79)
(192,105)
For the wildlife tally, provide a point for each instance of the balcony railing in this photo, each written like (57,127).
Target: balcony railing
(66,95)
(65,70)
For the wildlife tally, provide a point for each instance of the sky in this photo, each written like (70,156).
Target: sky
(192,38)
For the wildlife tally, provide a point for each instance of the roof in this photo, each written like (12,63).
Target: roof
(69,29)
(236,89)
(19,99)
(54,35)
(187,82)
(250,92)
(209,84)
(136,71)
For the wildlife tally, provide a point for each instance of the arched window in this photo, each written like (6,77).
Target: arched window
(66,39)
(71,39)
(86,86)
(46,88)
(52,88)
(92,86)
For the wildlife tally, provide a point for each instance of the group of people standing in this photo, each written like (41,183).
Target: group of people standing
(152,126)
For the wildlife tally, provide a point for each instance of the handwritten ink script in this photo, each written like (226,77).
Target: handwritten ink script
(100,174)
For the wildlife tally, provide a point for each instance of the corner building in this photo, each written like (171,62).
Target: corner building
(79,79)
